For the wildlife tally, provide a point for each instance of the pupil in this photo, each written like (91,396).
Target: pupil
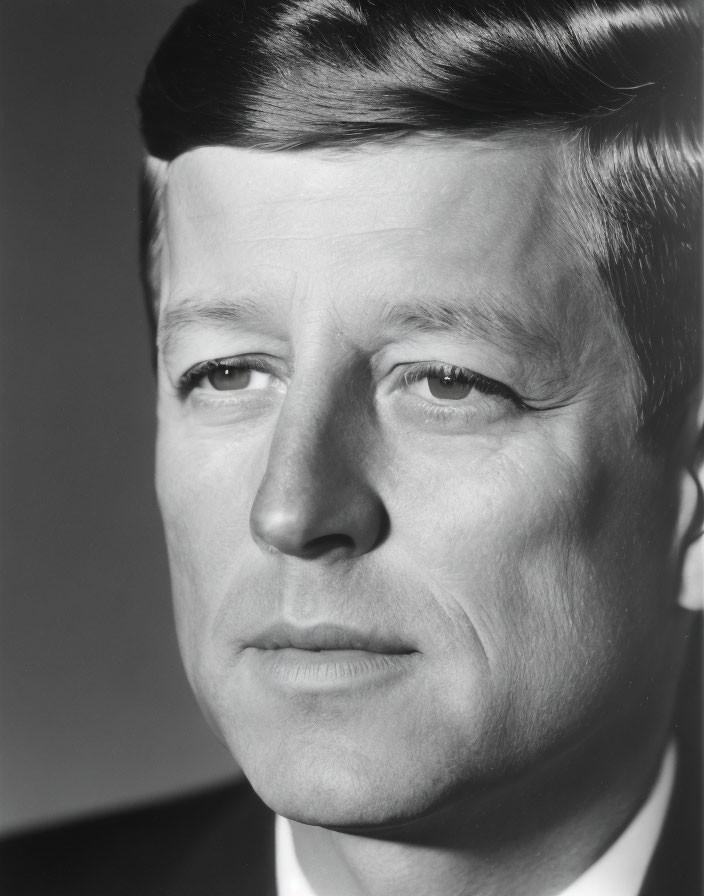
(227,378)
(448,386)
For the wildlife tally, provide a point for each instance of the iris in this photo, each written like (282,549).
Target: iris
(449,386)
(229,378)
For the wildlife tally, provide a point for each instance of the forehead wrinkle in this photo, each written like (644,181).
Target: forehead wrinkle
(316,238)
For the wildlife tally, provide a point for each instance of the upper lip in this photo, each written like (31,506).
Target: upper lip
(325,636)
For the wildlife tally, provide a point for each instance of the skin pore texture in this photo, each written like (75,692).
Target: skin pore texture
(423,570)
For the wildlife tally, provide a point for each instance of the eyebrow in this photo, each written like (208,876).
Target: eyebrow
(492,320)
(197,311)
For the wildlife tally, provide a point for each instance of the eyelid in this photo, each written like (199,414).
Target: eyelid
(190,379)
(483,384)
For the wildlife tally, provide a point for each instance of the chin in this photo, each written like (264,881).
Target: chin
(341,800)
(341,786)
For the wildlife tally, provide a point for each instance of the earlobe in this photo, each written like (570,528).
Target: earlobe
(690,537)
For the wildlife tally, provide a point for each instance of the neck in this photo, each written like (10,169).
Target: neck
(529,839)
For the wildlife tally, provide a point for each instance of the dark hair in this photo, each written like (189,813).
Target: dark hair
(618,80)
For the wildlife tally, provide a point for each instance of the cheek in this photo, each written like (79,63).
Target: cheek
(205,492)
(529,544)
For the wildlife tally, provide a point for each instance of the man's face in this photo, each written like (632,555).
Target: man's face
(414,545)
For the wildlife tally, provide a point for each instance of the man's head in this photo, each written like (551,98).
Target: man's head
(427,305)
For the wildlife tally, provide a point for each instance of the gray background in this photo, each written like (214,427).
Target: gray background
(95,708)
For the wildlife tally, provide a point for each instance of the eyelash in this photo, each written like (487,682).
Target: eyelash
(192,377)
(467,377)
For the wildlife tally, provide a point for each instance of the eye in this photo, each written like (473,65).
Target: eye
(228,375)
(227,378)
(448,383)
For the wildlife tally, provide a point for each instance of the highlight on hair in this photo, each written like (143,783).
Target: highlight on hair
(616,80)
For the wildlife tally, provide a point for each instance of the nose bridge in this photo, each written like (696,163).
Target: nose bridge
(310,431)
(315,495)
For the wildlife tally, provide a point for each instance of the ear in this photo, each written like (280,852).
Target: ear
(690,528)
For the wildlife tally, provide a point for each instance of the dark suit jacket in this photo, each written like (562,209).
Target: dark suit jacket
(221,842)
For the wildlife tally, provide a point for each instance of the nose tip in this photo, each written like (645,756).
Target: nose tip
(317,495)
(313,513)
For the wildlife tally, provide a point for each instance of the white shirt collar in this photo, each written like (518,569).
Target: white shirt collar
(619,872)
(290,879)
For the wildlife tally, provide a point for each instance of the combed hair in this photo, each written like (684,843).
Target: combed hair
(617,81)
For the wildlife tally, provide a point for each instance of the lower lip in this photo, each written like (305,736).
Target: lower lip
(330,669)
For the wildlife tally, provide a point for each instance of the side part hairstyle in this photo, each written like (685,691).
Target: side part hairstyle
(616,80)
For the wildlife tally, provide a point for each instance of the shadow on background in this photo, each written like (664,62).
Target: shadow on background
(95,708)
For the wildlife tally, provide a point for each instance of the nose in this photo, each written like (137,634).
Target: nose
(315,498)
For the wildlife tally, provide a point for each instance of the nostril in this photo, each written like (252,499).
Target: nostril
(325,544)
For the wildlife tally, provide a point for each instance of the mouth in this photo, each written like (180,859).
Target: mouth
(327,657)
(325,638)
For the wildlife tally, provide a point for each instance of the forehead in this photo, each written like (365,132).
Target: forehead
(452,198)
(465,226)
